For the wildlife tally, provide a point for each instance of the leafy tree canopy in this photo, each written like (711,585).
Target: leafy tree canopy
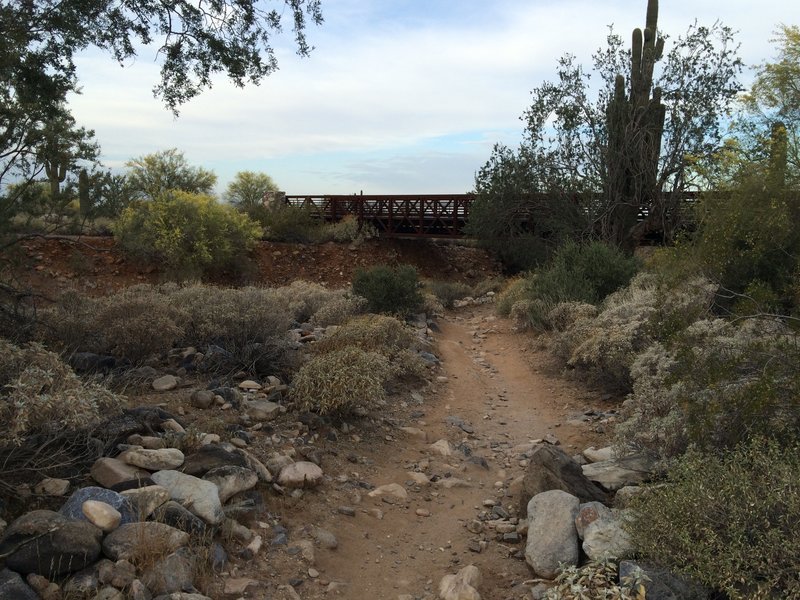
(247,190)
(154,174)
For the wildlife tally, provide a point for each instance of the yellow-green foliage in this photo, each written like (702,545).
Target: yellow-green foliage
(340,309)
(347,230)
(287,223)
(190,234)
(596,580)
(730,521)
(448,291)
(392,290)
(39,393)
(304,298)
(341,381)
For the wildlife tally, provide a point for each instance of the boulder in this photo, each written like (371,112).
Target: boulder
(461,586)
(620,472)
(231,480)
(135,539)
(261,410)
(589,513)
(13,587)
(300,475)
(199,496)
(165,383)
(209,457)
(110,472)
(552,539)
(550,468)
(179,517)
(153,460)
(73,507)
(606,537)
(146,500)
(49,544)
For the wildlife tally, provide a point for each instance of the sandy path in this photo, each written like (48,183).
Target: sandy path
(393,548)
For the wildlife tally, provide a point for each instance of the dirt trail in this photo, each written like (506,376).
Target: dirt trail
(489,384)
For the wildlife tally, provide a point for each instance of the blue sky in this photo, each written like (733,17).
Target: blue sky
(403,96)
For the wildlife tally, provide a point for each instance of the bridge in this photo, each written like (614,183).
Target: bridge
(424,215)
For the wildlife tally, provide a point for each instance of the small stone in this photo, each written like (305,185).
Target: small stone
(165,383)
(313,573)
(461,586)
(103,515)
(153,460)
(325,538)
(390,489)
(202,399)
(422,512)
(442,448)
(146,500)
(51,487)
(300,475)
(346,510)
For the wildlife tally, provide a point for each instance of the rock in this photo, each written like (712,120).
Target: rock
(277,461)
(82,583)
(146,500)
(238,586)
(261,410)
(51,487)
(109,593)
(13,587)
(122,574)
(453,482)
(620,472)
(550,468)
(109,472)
(102,515)
(153,460)
(150,442)
(442,448)
(49,544)
(165,383)
(138,591)
(202,399)
(300,475)
(229,394)
(89,362)
(199,496)
(606,537)
(594,455)
(625,494)
(390,489)
(217,557)
(251,462)
(325,538)
(179,517)
(173,573)
(661,584)
(415,432)
(461,586)
(231,480)
(588,513)
(182,596)
(73,507)
(419,478)
(208,457)
(137,539)
(552,538)
(248,385)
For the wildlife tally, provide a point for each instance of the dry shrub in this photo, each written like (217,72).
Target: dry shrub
(713,386)
(630,319)
(431,304)
(302,299)
(565,314)
(41,394)
(596,580)
(375,333)
(348,230)
(516,290)
(448,291)
(340,309)
(341,381)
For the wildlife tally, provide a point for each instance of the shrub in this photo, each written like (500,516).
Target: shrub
(341,381)
(286,223)
(302,299)
(596,580)
(339,309)
(389,290)
(190,234)
(348,230)
(448,291)
(39,393)
(714,386)
(730,521)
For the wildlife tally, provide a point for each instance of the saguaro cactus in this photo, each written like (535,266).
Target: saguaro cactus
(635,126)
(55,167)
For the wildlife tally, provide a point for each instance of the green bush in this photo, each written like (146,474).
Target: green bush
(303,299)
(731,521)
(348,230)
(340,309)
(190,234)
(341,381)
(296,224)
(39,393)
(389,290)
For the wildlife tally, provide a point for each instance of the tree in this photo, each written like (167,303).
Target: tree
(247,192)
(153,174)
(572,153)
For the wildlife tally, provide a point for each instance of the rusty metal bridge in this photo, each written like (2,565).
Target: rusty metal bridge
(425,215)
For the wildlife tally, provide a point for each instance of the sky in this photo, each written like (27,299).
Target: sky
(397,97)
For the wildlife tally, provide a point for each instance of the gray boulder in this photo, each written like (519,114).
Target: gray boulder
(552,539)
(49,544)
(199,496)
(209,457)
(550,468)
(620,472)
(606,537)
(231,480)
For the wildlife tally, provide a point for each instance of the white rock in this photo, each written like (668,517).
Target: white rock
(461,586)
(165,383)
(300,475)
(103,515)
(153,460)
(249,385)
(442,447)
(552,538)
(390,489)
(606,537)
(51,487)
(594,455)
(198,496)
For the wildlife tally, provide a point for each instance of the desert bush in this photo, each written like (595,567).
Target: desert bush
(348,230)
(341,381)
(596,580)
(286,223)
(713,386)
(389,290)
(249,324)
(39,393)
(339,309)
(190,234)
(629,321)
(516,290)
(303,299)
(448,291)
(431,304)
(731,521)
